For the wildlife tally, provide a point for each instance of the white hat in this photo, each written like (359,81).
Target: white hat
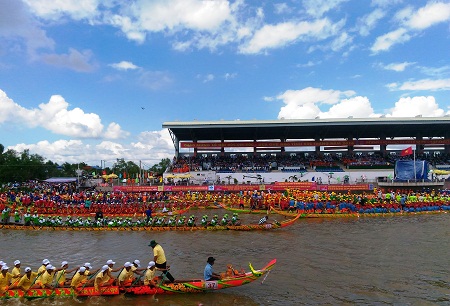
(45,262)
(5,267)
(17,262)
(110,262)
(2,263)
(104,268)
(50,267)
(150,264)
(88,265)
(137,262)
(127,264)
(64,263)
(27,269)
(82,269)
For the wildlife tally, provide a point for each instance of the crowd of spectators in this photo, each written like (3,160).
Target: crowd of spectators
(326,162)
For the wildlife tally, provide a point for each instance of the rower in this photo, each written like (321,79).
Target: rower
(79,279)
(103,277)
(46,279)
(27,279)
(16,270)
(61,275)
(42,269)
(5,279)
(126,275)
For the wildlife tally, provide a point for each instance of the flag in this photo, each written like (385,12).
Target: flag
(406,152)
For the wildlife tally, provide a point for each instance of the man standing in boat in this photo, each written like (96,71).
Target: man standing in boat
(159,258)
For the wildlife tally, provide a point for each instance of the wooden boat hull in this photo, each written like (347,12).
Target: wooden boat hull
(188,286)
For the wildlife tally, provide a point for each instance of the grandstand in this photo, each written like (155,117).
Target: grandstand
(329,151)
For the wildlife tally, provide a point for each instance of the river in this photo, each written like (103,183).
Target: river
(401,260)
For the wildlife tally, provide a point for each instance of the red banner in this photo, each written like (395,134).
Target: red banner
(311,143)
(345,187)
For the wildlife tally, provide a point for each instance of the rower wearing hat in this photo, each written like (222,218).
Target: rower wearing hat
(27,279)
(209,273)
(16,273)
(5,279)
(61,275)
(103,277)
(125,277)
(16,270)
(79,279)
(46,279)
(110,263)
(42,269)
(150,278)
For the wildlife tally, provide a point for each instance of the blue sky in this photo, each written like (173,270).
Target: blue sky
(91,80)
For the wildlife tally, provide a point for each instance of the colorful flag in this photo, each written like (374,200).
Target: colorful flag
(406,152)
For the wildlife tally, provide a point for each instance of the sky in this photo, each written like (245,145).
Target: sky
(93,80)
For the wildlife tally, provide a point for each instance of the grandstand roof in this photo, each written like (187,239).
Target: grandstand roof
(309,128)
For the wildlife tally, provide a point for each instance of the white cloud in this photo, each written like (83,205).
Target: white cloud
(56,117)
(317,8)
(74,60)
(304,104)
(411,107)
(151,147)
(124,65)
(208,78)
(313,95)
(56,9)
(429,15)
(412,22)
(282,34)
(386,41)
(357,107)
(229,76)
(170,16)
(281,8)
(397,66)
(368,22)
(425,84)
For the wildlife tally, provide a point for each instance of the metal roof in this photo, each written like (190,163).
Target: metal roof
(358,128)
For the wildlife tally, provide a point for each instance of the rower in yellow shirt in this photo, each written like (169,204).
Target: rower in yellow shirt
(16,272)
(60,276)
(27,279)
(79,279)
(42,269)
(5,279)
(46,279)
(103,277)
(125,277)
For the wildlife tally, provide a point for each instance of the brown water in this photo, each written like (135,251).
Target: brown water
(401,260)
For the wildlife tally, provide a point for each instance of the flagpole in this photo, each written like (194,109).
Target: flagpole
(415,175)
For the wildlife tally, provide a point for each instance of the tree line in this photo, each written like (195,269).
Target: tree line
(23,166)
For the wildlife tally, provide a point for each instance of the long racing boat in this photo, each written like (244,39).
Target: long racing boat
(231,278)
(242,227)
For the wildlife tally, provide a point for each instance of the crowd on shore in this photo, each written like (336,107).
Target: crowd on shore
(64,199)
(300,161)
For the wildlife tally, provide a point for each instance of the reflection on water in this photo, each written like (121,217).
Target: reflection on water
(393,260)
